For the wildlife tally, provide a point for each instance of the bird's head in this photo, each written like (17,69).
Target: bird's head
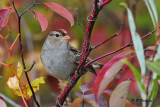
(58,38)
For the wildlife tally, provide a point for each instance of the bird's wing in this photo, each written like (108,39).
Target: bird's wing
(76,53)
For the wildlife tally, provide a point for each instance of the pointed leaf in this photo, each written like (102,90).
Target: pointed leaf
(136,40)
(4,14)
(108,72)
(152,11)
(35,85)
(154,66)
(61,11)
(119,95)
(76,102)
(41,19)
(138,78)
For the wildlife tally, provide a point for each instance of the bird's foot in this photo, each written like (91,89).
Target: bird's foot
(70,79)
(81,72)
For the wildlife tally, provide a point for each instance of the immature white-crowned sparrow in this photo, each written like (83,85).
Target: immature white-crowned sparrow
(59,58)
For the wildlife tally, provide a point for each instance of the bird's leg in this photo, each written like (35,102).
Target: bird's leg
(81,72)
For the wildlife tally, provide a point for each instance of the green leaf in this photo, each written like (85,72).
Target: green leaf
(138,78)
(154,66)
(157,56)
(154,91)
(152,11)
(136,40)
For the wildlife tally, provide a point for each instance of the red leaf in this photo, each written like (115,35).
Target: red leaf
(108,72)
(61,11)
(41,19)
(4,14)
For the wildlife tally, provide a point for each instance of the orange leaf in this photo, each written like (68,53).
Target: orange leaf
(76,102)
(61,11)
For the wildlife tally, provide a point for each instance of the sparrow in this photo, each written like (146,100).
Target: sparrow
(59,58)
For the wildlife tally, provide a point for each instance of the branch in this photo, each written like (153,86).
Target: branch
(116,34)
(85,53)
(21,47)
(125,46)
(30,67)
(105,2)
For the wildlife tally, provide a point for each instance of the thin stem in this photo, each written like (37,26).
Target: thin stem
(34,4)
(125,46)
(25,103)
(14,42)
(15,7)
(21,48)
(31,67)
(94,47)
(106,55)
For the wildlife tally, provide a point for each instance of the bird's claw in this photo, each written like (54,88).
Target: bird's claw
(70,80)
(81,72)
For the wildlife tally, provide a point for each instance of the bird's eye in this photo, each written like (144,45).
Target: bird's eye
(57,35)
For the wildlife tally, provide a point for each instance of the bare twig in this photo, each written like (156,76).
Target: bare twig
(21,47)
(125,46)
(31,67)
(116,34)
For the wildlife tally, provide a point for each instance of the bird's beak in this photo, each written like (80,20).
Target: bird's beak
(67,37)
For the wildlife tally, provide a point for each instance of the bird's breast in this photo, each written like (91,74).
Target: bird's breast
(58,63)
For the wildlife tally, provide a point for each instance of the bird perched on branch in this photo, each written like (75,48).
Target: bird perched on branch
(59,58)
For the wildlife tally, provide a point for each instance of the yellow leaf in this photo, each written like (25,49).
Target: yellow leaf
(13,83)
(26,90)
(35,85)
(19,69)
